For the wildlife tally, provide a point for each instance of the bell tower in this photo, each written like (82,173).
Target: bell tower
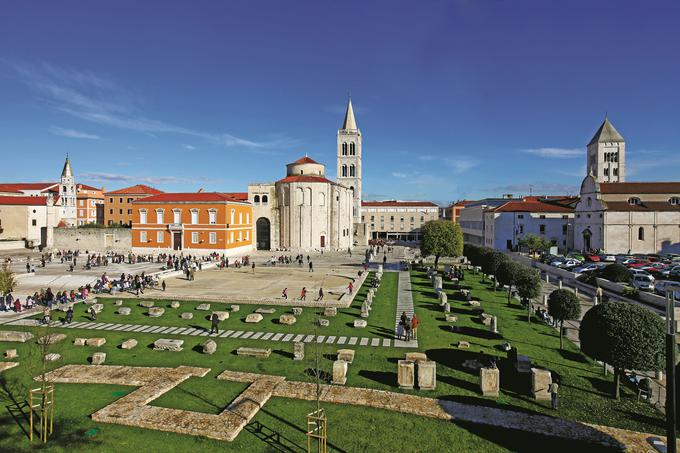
(607,154)
(67,195)
(349,159)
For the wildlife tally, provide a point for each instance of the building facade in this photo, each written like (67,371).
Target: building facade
(192,223)
(471,219)
(395,220)
(90,204)
(29,218)
(118,207)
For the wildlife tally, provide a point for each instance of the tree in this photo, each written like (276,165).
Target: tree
(441,238)
(528,284)
(563,305)
(7,280)
(625,336)
(507,274)
(616,273)
(492,259)
(534,243)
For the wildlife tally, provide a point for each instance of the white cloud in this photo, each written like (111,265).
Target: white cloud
(71,133)
(398,175)
(556,153)
(189,147)
(123,178)
(461,164)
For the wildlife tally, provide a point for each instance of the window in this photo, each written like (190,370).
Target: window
(194,216)
(231,237)
(142,216)
(633,201)
(344,170)
(520,216)
(606,172)
(129,211)
(110,199)
(521,229)
(159,216)
(129,200)
(82,202)
(120,200)
(674,201)
(541,216)
(240,218)
(247,235)
(159,237)
(110,211)
(641,234)
(422,218)
(120,211)
(322,199)
(351,149)
(232,216)
(212,217)
(256,199)
(309,196)
(34,222)
(300,197)
(213,237)
(240,236)
(344,149)
(615,171)
(247,217)
(564,229)
(352,170)
(265,200)
(194,237)
(176,216)
(142,236)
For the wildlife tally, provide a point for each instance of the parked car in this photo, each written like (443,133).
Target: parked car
(592,257)
(570,263)
(643,282)
(663,285)
(590,267)
(576,256)
(634,271)
(608,258)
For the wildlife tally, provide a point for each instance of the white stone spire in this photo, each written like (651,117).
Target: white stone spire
(350,123)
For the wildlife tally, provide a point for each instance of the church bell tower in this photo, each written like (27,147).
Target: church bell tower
(349,159)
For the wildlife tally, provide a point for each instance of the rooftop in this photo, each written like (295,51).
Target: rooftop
(640,187)
(399,204)
(305,160)
(139,189)
(191,197)
(17,187)
(23,201)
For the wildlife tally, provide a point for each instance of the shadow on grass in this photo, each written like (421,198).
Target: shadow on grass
(381,377)
(282,353)
(573,356)
(602,385)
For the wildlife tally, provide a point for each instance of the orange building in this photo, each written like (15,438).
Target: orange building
(118,203)
(90,204)
(452,212)
(195,223)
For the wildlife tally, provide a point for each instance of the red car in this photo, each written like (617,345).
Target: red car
(637,263)
(591,257)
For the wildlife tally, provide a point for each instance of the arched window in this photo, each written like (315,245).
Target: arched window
(286,196)
(142,216)
(633,201)
(232,216)
(265,200)
(344,148)
(590,202)
(256,199)
(322,199)
(352,151)
(300,197)
(309,196)
(674,200)
(351,170)
(159,216)
(344,170)
(641,234)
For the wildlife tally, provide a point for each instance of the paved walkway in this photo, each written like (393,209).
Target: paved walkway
(404,305)
(232,334)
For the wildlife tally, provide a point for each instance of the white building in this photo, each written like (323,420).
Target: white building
(471,219)
(28,218)
(395,220)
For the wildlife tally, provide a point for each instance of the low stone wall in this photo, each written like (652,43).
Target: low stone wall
(93,239)
(12,245)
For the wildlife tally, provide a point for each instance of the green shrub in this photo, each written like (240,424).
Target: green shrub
(617,273)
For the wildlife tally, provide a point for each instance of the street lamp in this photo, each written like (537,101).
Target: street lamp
(670,372)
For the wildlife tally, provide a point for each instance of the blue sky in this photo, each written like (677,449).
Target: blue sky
(456,99)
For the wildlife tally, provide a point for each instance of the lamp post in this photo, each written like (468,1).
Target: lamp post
(670,372)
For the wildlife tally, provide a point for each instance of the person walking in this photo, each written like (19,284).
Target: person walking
(350,287)
(400,330)
(552,388)
(214,322)
(320,294)
(598,295)
(311,266)
(163,285)
(69,315)
(303,293)
(284,293)
(253,266)
(414,326)
(403,318)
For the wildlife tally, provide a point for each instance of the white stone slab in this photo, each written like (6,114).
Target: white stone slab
(226,334)
(308,338)
(342,340)
(237,334)
(247,335)
(257,335)
(287,337)
(277,337)
(196,333)
(298,338)
(320,338)
(386,342)
(353,340)
(363,342)
(330,339)
(267,336)
(375,342)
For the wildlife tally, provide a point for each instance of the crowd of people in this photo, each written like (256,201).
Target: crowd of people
(407,329)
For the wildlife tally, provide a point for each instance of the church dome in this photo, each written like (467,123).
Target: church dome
(305,166)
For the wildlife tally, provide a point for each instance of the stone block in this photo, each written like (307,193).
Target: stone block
(451,318)
(203,307)
(124,311)
(427,375)
(156,312)
(12,335)
(297,311)
(254,318)
(118,303)
(463,344)
(129,344)
(447,307)
(405,374)
(339,372)
(147,303)
(167,344)
(493,326)
(346,354)
(209,347)
(443,298)
(235,308)
(262,353)
(287,319)
(438,282)
(186,315)
(323,322)
(174,304)
(97,342)
(485,319)
(221,315)
(266,311)
(80,342)
(360,323)
(98,308)
(52,338)
(540,383)
(330,311)
(298,350)
(52,357)
(474,303)
(98,358)
(416,357)
(11,354)
(489,381)
(505,347)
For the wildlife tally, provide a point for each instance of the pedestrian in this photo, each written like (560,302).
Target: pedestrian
(384,259)
(407,329)
(163,285)
(69,315)
(400,330)
(414,326)
(554,386)
(93,314)
(253,266)
(303,293)
(598,295)
(350,287)
(403,318)
(311,266)
(320,294)
(46,316)
(214,322)
(284,293)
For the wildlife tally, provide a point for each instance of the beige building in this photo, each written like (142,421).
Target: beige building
(395,220)
(624,217)
(28,218)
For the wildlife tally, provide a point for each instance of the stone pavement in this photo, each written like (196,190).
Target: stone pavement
(404,304)
(232,334)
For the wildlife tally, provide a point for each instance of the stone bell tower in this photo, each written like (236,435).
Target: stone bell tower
(349,160)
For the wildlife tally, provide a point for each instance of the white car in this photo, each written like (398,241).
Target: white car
(663,285)
(634,272)
(568,264)
(609,258)
(587,268)
(643,282)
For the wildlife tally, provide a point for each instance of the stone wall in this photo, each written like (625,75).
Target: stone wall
(93,239)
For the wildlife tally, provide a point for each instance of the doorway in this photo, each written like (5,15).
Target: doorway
(177,241)
(263,229)
(323,241)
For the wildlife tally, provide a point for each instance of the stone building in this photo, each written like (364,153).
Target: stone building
(30,219)
(395,220)
(118,203)
(624,217)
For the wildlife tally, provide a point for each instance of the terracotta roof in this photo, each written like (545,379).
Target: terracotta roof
(305,160)
(189,197)
(25,201)
(241,196)
(86,187)
(643,206)
(19,186)
(399,204)
(139,189)
(462,203)
(530,205)
(305,178)
(640,187)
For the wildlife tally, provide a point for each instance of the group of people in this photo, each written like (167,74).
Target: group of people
(407,328)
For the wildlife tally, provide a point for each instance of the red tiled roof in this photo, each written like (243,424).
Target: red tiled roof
(19,186)
(240,196)
(644,206)
(26,201)
(462,203)
(86,187)
(399,204)
(305,160)
(189,197)
(139,189)
(530,205)
(640,187)
(305,178)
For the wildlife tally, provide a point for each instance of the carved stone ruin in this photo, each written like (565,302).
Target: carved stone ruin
(11,354)
(416,357)
(167,344)
(156,312)
(339,372)
(98,358)
(147,303)
(323,322)
(262,353)
(447,307)
(493,326)
(346,354)
(360,323)
(235,308)
(187,315)
(80,342)
(490,381)
(298,350)
(52,357)
(96,342)
(330,311)
(266,311)
(254,318)
(297,311)
(451,318)
(405,374)
(174,304)
(427,375)
(540,383)
(463,344)
(52,338)
(209,347)
(11,335)
(129,344)
(124,311)
(287,319)
(221,315)
(203,307)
